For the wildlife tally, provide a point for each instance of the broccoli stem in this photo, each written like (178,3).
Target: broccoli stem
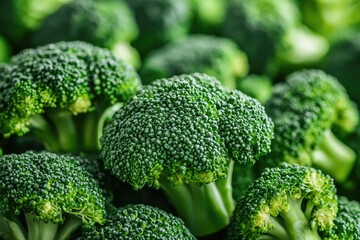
(39,230)
(334,157)
(70,226)
(11,229)
(297,224)
(278,232)
(205,209)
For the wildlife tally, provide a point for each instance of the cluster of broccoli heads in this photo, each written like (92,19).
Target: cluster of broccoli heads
(192,119)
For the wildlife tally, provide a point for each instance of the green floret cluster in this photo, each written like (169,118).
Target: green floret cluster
(287,202)
(62,93)
(139,222)
(51,192)
(215,56)
(306,109)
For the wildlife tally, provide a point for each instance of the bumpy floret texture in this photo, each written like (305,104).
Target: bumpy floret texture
(186,128)
(218,57)
(270,196)
(139,222)
(49,186)
(66,75)
(303,108)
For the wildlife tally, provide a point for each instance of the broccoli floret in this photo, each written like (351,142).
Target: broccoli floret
(256,86)
(183,134)
(160,22)
(139,222)
(288,202)
(107,23)
(343,61)
(19,17)
(46,196)
(271,34)
(209,15)
(346,223)
(218,57)
(305,109)
(63,93)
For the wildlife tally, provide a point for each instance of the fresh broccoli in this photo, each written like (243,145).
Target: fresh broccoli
(243,176)
(107,23)
(139,222)
(305,110)
(256,86)
(4,50)
(183,134)
(19,17)
(271,34)
(46,196)
(343,61)
(330,17)
(346,223)
(218,57)
(288,202)
(63,93)
(160,22)
(208,15)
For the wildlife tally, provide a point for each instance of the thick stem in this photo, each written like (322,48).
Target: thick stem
(40,128)
(279,230)
(296,222)
(334,157)
(11,229)
(69,227)
(39,230)
(226,190)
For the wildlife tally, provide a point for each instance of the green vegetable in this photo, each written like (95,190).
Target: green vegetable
(215,56)
(288,202)
(139,222)
(305,110)
(256,86)
(4,50)
(51,193)
(63,93)
(183,134)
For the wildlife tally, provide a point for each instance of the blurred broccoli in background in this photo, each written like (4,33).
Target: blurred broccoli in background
(215,56)
(4,50)
(271,34)
(307,109)
(160,22)
(106,23)
(256,86)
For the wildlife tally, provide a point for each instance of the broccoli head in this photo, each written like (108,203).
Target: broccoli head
(184,134)
(287,202)
(215,56)
(50,192)
(305,110)
(160,22)
(139,222)
(109,24)
(63,93)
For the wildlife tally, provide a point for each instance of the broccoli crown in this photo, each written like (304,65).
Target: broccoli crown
(346,223)
(102,23)
(49,186)
(303,108)
(160,21)
(184,129)
(218,57)
(273,194)
(258,27)
(342,61)
(139,222)
(67,75)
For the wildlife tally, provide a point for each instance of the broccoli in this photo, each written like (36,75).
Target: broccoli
(256,86)
(19,18)
(209,15)
(139,222)
(46,196)
(183,134)
(4,50)
(107,23)
(305,109)
(330,17)
(212,55)
(287,202)
(160,22)
(243,176)
(271,34)
(343,61)
(63,93)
